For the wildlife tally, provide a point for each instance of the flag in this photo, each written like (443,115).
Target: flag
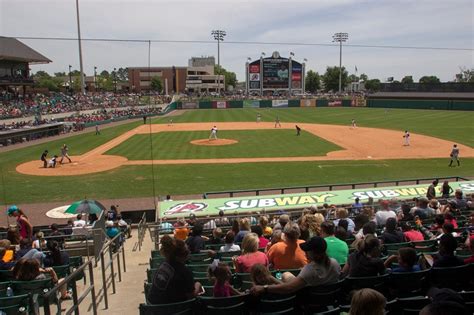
(356,68)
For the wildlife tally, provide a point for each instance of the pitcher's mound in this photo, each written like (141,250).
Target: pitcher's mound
(214,142)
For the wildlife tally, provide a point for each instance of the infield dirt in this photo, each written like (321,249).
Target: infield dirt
(358,144)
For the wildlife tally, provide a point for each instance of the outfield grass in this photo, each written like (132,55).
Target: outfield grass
(251,143)
(136,181)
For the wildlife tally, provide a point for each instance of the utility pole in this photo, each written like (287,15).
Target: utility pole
(340,37)
(80,49)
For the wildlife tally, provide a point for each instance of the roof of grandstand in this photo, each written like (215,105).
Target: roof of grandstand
(430,95)
(13,49)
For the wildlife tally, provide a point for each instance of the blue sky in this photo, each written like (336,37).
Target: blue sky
(396,23)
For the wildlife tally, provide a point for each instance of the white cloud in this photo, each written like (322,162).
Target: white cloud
(408,23)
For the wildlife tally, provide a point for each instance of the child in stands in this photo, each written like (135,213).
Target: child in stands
(260,275)
(221,274)
(407,260)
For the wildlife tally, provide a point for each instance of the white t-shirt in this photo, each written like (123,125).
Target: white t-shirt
(229,248)
(79,223)
(315,274)
(382,216)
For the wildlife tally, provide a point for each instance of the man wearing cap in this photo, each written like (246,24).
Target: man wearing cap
(321,270)
(423,211)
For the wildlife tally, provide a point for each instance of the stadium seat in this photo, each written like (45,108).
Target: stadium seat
(237,309)
(14,305)
(62,271)
(156,261)
(320,298)
(150,274)
(198,258)
(452,277)
(425,243)
(222,302)
(375,282)
(276,305)
(405,284)
(199,268)
(167,309)
(334,311)
(229,254)
(3,287)
(394,247)
(6,275)
(412,305)
(246,285)
(214,247)
(155,253)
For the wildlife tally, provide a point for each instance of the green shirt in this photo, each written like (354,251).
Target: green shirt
(337,249)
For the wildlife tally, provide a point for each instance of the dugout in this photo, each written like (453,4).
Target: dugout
(422,100)
(8,137)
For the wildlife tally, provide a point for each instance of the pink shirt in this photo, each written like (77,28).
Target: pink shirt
(246,261)
(414,236)
(262,242)
(222,290)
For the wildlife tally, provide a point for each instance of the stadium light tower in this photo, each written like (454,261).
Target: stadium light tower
(340,38)
(219,36)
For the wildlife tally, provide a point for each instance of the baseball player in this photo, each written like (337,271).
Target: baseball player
(259,117)
(64,154)
(455,155)
(170,122)
(52,162)
(97,130)
(406,136)
(213,133)
(277,122)
(44,158)
(353,123)
(298,130)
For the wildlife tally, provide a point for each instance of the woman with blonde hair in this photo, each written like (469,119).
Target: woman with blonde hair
(343,214)
(250,254)
(263,222)
(311,223)
(244,228)
(367,302)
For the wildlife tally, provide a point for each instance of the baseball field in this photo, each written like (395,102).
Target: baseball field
(131,160)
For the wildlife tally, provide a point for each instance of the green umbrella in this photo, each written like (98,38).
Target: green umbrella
(85,206)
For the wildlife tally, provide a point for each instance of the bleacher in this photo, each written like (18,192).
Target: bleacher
(406,293)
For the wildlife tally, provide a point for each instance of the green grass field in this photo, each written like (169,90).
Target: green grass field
(252,143)
(137,181)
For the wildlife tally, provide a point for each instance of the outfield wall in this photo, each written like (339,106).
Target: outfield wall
(323,102)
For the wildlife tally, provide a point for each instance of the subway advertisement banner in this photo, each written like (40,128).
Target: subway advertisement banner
(279,103)
(205,207)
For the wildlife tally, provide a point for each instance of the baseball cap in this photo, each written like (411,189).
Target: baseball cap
(316,244)
(12,209)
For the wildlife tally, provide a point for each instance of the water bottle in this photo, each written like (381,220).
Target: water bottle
(278,275)
(9,291)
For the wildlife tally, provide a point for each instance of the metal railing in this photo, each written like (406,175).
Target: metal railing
(111,250)
(330,187)
(142,226)
(77,300)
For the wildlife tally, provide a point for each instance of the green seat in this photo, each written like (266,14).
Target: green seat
(146,290)
(62,271)
(208,290)
(229,254)
(6,275)
(37,288)
(425,249)
(320,298)
(200,274)
(214,247)
(334,311)
(237,309)
(205,281)
(155,253)
(374,282)
(171,309)
(222,301)
(276,305)
(406,284)
(150,274)
(3,287)
(412,305)
(424,243)
(198,258)
(455,278)
(246,285)
(393,248)
(199,268)
(75,262)
(155,262)
(17,304)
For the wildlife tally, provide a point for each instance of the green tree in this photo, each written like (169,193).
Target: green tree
(41,74)
(331,79)
(104,73)
(363,77)
(465,75)
(51,83)
(60,74)
(229,77)
(353,78)
(156,84)
(372,85)
(407,79)
(312,81)
(429,79)
(75,73)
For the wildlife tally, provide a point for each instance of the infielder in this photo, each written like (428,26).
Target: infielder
(277,122)
(64,154)
(298,130)
(259,117)
(353,123)
(213,133)
(406,136)
(455,155)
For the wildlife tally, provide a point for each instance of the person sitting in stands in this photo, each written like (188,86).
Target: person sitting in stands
(195,242)
(384,213)
(57,235)
(321,270)
(110,229)
(288,254)
(447,228)
(282,221)
(181,231)
(250,254)
(263,222)
(166,227)
(356,206)
(124,226)
(446,257)
(26,251)
(411,235)
(222,220)
(366,262)
(5,265)
(470,260)
(244,228)
(449,218)
(216,237)
(229,243)
(391,234)
(55,257)
(173,281)
(68,228)
(92,218)
(337,249)
(79,222)
(367,302)
(342,214)
(221,274)
(407,260)
(262,241)
(404,214)
(422,210)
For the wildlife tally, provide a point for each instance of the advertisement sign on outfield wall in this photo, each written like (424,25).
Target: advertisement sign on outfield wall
(308,103)
(280,103)
(204,207)
(219,104)
(251,104)
(190,105)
